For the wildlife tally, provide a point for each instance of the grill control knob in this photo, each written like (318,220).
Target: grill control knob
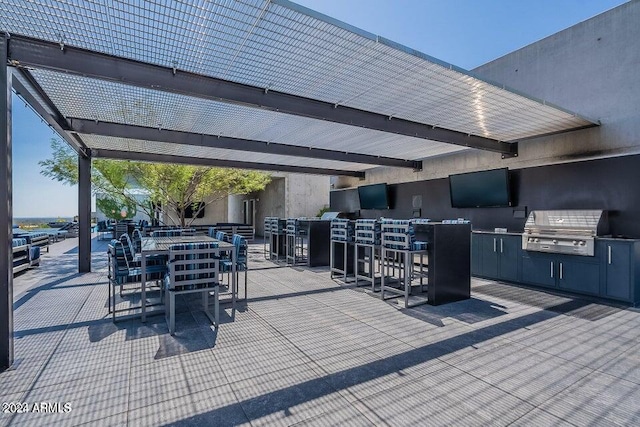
(582,243)
(555,241)
(575,242)
(536,240)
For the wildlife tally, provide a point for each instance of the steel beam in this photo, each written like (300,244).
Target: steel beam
(47,111)
(119,130)
(84,213)
(30,52)
(6,213)
(166,158)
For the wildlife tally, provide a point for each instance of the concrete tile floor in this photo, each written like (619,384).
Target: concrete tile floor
(306,350)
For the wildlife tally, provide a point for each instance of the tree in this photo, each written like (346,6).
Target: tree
(109,178)
(177,187)
(174,187)
(116,209)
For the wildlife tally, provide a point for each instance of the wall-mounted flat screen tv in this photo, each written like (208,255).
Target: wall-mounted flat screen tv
(480,189)
(373,196)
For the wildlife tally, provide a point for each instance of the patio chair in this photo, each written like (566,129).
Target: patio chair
(188,231)
(240,244)
(133,249)
(212,232)
(119,229)
(221,235)
(104,228)
(123,270)
(132,254)
(167,233)
(136,238)
(193,267)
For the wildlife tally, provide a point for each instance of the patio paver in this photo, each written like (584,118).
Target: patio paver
(306,350)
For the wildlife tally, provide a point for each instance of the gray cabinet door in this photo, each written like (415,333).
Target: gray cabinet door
(618,270)
(578,276)
(490,251)
(539,270)
(510,251)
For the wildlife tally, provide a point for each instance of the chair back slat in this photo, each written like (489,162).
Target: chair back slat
(193,266)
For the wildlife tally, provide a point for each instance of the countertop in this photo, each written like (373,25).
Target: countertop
(620,239)
(509,233)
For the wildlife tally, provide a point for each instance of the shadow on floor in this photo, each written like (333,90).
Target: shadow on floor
(581,308)
(288,397)
(96,246)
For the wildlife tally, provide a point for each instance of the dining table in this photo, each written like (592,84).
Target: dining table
(161,245)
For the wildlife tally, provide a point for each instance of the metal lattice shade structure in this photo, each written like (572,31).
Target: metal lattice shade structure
(267,83)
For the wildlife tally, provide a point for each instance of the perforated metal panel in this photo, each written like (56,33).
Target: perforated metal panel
(114,102)
(280,46)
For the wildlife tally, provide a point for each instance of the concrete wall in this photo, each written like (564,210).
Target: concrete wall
(291,196)
(270,202)
(591,68)
(235,208)
(306,195)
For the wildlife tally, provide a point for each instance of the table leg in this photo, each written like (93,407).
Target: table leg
(143,296)
(234,260)
(344,262)
(384,266)
(407,280)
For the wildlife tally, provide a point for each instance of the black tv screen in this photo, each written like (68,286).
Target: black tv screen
(480,189)
(196,208)
(373,196)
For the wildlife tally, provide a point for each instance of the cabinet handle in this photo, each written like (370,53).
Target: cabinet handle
(494,244)
(609,254)
(501,247)
(552,269)
(561,270)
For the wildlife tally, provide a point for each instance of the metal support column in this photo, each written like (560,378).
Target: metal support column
(84,213)
(6,213)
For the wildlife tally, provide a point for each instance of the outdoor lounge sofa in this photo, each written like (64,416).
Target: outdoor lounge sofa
(21,255)
(34,238)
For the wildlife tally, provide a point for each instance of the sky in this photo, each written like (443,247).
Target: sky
(466,33)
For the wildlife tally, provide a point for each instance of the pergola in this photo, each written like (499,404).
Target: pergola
(255,84)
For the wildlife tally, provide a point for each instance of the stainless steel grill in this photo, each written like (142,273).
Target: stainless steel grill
(568,232)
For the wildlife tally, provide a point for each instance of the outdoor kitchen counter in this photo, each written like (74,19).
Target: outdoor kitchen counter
(612,273)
